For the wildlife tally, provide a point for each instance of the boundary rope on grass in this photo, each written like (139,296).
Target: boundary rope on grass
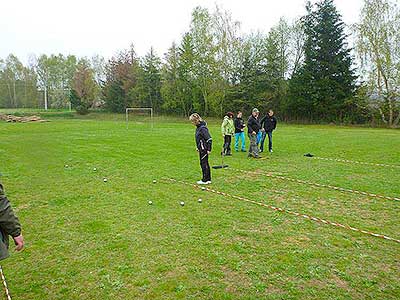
(3,278)
(318,184)
(356,162)
(311,218)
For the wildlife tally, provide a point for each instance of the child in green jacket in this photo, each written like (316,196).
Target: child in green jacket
(227,129)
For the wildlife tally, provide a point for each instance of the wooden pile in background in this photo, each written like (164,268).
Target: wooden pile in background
(14,119)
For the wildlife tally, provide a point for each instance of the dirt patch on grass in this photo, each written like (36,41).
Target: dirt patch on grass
(259,228)
(235,280)
(21,207)
(316,283)
(340,283)
(297,240)
(272,289)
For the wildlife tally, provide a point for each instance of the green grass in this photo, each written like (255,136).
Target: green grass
(86,239)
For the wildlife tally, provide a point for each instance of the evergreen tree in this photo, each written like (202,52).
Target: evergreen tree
(323,85)
(121,78)
(115,96)
(176,82)
(169,81)
(190,94)
(148,89)
(253,79)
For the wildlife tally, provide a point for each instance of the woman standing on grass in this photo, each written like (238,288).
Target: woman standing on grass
(239,132)
(203,143)
(227,129)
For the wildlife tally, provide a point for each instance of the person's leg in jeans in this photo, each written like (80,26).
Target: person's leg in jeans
(242,136)
(259,134)
(270,141)
(237,136)
(264,134)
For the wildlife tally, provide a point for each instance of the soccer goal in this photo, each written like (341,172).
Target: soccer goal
(140,115)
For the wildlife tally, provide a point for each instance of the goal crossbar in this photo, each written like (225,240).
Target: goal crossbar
(128,109)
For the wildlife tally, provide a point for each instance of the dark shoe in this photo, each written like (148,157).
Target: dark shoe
(243,150)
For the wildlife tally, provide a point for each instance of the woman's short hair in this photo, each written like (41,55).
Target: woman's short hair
(195,117)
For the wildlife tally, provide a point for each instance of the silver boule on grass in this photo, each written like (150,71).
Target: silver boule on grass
(154,181)
(105,179)
(200,200)
(182,203)
(150,202)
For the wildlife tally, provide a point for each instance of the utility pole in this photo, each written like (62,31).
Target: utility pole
(69,104)
(45,97)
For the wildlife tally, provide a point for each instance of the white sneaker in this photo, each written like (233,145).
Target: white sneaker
(271,151)
(202,182)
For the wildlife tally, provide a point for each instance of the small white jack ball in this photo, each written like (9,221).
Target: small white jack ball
(182,203)
(65,166)
(150,202)
(154,181)
(200,200)
(94,169)
(105,179)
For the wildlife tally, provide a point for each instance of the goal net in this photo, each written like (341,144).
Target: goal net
(139,116)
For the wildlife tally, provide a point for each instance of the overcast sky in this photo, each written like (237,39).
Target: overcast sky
(87,27)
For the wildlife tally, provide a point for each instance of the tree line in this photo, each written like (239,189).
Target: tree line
(304,69)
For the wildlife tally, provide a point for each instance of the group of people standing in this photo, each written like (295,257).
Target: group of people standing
(257,131)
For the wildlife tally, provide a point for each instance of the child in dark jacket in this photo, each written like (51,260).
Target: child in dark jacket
(239,132)
(204,145)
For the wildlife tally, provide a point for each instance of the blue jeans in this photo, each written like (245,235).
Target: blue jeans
(264,134)
(259,137)
(238,136)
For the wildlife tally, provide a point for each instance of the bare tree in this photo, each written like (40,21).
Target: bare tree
(378,45)
(297,39)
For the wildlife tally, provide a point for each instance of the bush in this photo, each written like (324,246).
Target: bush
(82,110)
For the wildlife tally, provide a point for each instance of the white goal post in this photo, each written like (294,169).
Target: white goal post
(127,110)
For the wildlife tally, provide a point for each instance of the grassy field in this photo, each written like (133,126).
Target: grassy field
(87,239)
